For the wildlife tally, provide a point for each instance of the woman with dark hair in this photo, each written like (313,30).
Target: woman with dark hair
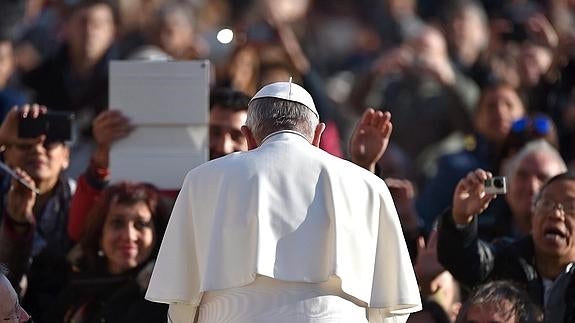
(114,259)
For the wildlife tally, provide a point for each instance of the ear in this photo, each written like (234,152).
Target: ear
(252,143)
(66,157)
(317,134)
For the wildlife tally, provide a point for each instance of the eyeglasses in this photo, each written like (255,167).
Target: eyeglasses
(568,207)
(540,125)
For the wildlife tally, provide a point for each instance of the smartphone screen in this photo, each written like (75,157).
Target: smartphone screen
(57,126)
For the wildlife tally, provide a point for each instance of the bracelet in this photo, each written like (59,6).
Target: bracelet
(100,173)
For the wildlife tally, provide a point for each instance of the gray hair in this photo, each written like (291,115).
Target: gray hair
(268,115)
(533,147)
(3,270)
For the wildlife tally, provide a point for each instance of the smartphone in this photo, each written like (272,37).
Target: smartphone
(56,125)
(496,185)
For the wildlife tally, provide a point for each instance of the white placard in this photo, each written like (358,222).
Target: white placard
(160,93)
(167,141)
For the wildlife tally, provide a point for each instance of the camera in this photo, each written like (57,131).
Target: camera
(56,125)
(496,185)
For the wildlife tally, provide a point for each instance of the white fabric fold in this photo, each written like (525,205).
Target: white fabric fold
(289,211)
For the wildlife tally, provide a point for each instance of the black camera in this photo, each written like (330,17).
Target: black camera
(496,185)
(56,125)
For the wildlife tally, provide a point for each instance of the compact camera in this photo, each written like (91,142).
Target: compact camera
(496,185)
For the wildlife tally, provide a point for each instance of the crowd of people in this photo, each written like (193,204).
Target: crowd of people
(432,97)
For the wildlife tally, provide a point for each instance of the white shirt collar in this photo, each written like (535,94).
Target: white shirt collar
(283,132)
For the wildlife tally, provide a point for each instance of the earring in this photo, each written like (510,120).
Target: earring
(100,253)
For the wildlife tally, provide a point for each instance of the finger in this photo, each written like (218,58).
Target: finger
(108,114)
(24,110)
(13,114)
(384,120)
(420,244)
(23,183)
(34,111)
(479,176)
(392,182)
(377,120)
(487,198)
(366,118)
(432,241)
(387,130)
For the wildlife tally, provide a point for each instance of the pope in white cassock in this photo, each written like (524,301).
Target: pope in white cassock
(285,232)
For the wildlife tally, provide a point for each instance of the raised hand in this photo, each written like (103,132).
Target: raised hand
(469,198)
(108,127)
(396,60)
(542,31)
(403,195)
(9,127)
(370,138)
(427,266)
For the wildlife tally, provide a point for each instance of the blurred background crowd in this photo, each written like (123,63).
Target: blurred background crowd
(468,84)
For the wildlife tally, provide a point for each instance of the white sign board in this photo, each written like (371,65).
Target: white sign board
(168,104)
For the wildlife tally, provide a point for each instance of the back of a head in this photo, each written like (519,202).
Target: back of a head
(504,299)
(282,106)
(229,99)
(539,146)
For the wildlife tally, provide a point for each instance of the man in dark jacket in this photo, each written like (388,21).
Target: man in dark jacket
(542,261)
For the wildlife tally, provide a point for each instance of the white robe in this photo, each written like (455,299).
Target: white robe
(289,211)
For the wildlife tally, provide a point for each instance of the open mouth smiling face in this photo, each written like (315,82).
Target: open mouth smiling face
(553,222)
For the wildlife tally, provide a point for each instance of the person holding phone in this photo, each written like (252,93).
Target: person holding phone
(33,226)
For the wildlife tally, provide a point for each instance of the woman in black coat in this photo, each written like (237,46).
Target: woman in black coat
(113,262)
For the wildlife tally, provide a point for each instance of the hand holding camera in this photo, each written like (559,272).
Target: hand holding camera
(496,185)
(56,126)
(471,197)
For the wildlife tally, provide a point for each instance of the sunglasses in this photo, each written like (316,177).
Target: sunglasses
(540,125)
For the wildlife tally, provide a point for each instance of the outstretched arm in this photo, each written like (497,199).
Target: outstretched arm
(459,249)
(108,127)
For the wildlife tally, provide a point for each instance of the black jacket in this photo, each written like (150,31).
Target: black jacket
(98,296)
(473,262)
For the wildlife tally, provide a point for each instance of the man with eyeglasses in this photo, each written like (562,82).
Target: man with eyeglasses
(10,309)
(542,261)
